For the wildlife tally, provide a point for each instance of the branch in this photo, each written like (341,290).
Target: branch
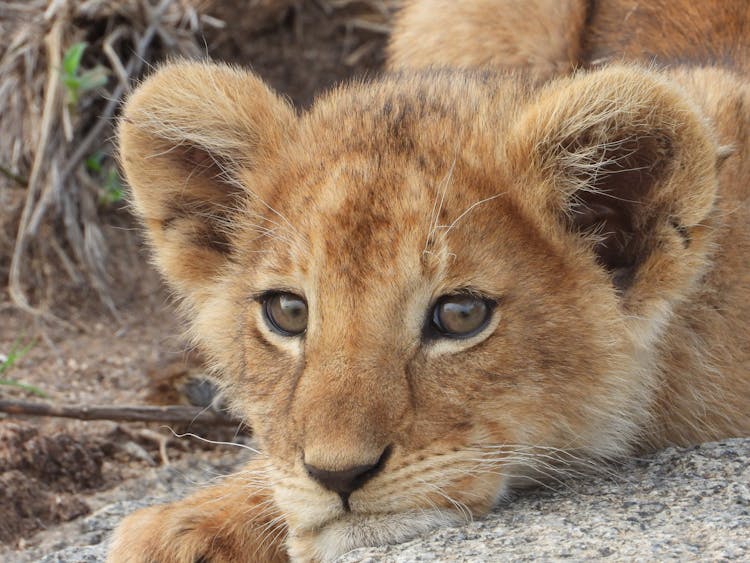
(174,414)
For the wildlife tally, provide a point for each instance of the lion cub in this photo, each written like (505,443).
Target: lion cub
(431,288)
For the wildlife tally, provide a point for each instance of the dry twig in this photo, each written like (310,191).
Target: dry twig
(168,414)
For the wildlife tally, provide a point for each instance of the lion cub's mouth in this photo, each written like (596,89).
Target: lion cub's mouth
(405,497)
(447,486)
(355,530)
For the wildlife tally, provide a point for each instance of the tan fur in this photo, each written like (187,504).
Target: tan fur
(606,212)
(555,37)
(229,522)
(541,37)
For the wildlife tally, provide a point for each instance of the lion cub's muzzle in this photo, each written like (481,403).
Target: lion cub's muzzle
(345,481)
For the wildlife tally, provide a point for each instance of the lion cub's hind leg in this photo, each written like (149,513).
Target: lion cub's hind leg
(232,522)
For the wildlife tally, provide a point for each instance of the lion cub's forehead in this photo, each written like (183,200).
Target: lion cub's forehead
(378,175)
(374,222)
(365,227)
(413,114)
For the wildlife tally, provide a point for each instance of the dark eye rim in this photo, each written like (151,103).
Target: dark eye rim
(265,301)
(433,330)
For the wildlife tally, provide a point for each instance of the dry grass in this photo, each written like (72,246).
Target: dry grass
(51,202)
(47,138)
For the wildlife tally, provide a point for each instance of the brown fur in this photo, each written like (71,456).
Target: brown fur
(554,37)
(542,36)
(229,522)
(602,211)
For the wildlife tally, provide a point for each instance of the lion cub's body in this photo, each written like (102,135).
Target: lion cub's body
(604,215)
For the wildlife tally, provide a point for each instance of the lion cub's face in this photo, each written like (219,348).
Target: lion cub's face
(425,290)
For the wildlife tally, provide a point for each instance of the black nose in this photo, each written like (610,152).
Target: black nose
(346,481)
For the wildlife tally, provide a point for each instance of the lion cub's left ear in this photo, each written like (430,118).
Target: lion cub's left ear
(625,162)
(195,139)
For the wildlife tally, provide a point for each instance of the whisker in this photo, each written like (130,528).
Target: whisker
(215,442)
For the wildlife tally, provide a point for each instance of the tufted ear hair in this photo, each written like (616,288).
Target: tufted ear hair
(193,139)
(623,160)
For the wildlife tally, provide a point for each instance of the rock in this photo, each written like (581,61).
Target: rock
(677,504)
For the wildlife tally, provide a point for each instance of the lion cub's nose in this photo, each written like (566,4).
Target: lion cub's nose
(346,481)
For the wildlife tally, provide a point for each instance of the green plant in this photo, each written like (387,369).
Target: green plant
(112,189)
(7,361)
(95,162)
(77,81)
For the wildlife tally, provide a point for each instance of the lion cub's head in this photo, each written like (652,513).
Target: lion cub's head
(427,288)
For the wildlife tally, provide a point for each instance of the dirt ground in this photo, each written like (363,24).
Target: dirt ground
(50,468)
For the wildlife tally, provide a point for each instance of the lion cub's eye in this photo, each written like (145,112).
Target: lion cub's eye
(460,316)
(286,313)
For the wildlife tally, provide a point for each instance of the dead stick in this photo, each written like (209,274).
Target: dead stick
(175,414)
(17,294)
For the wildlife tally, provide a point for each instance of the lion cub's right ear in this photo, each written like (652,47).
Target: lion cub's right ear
(192,138)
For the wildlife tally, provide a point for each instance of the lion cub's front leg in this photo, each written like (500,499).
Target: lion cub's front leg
(235,521)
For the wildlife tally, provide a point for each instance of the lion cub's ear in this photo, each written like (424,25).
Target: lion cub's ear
(622,158)
(192,137)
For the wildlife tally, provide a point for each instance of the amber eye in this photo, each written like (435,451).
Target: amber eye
(286,313)
(460,316)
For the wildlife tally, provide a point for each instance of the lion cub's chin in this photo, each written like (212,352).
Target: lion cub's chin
(360,530)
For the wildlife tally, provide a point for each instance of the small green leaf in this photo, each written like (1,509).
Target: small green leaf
(72,58)
(112,190)
(73,86)
(26,387)
(94,162)
(72,82)
(75,81)
(92,79)
(16,352)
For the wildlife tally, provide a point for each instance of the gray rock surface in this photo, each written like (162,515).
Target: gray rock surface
(679,504)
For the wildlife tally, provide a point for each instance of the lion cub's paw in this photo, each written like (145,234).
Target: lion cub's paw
(167,534)
(229,523)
